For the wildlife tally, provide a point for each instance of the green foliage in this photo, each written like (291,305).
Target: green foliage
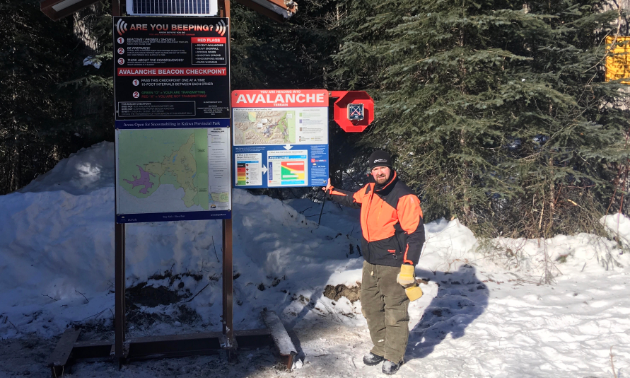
(90,87)
(43,87)
(295,54)
(498,116)
(34,58)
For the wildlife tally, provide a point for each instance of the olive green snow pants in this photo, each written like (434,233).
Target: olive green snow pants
(384,304)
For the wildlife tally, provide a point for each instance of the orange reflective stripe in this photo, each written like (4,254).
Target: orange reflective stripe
(332,191)
(405,261)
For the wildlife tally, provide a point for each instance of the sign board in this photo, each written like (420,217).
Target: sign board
(280,138)
(171,72)
(171,93)
(618,62)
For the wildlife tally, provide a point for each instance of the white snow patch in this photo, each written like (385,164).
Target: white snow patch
(483,313)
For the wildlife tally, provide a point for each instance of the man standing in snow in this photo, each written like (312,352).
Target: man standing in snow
(393,235)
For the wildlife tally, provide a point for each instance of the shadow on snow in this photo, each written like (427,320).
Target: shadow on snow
(461,299)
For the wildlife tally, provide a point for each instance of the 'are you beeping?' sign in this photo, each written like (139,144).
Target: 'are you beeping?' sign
(280,138)
(172,101)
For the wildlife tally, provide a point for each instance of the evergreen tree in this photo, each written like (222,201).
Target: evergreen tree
(90,87)
(34,59)
(497,111)
(296,54)
(290,55)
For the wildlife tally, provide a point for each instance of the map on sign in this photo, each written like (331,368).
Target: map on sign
(264,126)
(166,170)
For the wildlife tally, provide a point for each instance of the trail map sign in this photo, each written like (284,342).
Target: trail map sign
(172,118)
(280,138)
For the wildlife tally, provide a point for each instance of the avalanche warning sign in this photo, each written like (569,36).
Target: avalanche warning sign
(280,138)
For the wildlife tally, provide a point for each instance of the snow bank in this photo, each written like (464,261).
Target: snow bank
(57,251)
(89,169)
(57,254)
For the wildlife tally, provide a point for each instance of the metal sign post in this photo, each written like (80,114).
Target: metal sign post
(172,114)
(119,264)
(228,266)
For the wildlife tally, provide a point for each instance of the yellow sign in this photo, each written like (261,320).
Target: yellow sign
(618,62)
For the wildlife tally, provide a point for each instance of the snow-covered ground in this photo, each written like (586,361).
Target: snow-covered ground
(485,312)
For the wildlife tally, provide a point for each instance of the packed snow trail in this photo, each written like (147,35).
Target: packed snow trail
(484,312)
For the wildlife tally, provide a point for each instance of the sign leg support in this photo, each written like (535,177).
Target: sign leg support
(119,332)
(229,342)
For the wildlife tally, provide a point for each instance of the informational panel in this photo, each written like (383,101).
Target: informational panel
(280,138)
(173,130)
(618,62)
(171,72)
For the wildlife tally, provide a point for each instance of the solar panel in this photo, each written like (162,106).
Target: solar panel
(172,7)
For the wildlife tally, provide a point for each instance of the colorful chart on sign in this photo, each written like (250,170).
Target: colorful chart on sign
(280,138)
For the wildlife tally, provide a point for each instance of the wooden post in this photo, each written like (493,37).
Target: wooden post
(228,300)
(119,266)
(228,280)
(119,288)
(115,7)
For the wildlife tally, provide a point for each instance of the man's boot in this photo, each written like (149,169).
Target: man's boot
(372,359)
(390,368)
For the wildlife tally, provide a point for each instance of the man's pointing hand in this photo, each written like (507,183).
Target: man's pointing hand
(328,188)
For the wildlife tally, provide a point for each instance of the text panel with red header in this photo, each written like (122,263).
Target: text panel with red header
(171,72)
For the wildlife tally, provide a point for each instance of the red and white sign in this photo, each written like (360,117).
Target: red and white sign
(121,40)
(135,82)
(280,98)
(217,40)
(121,51)
(205,71)
(121,61)
(136,94)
